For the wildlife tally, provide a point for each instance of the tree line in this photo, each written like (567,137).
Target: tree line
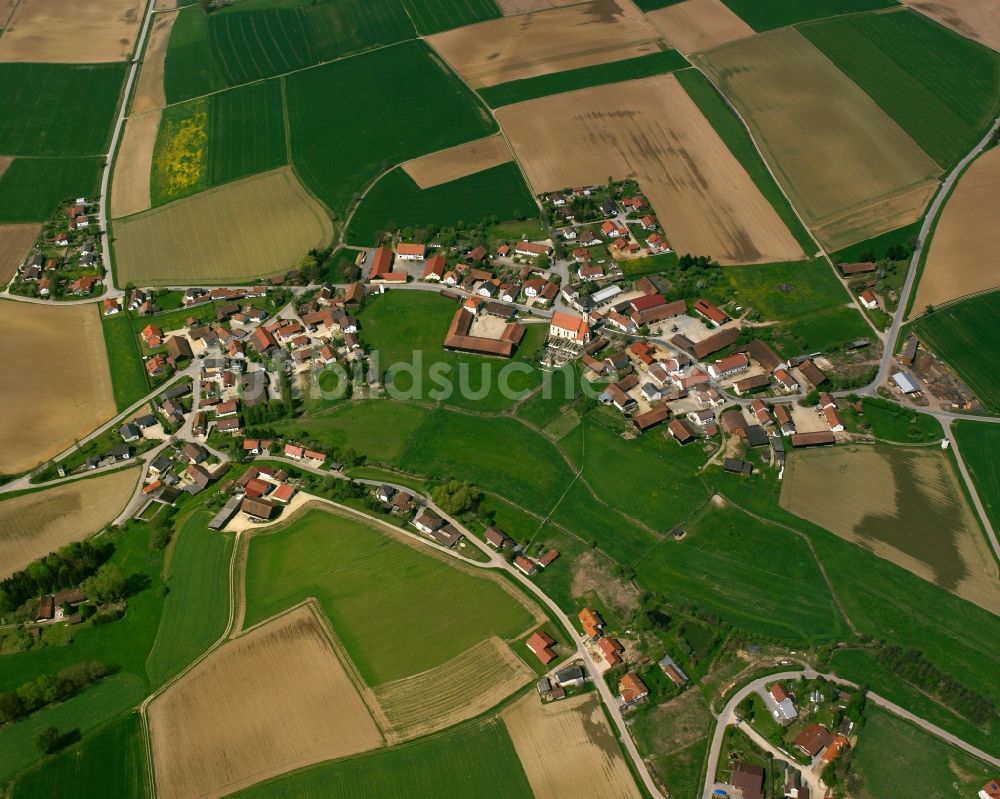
(46,689)
(68,566)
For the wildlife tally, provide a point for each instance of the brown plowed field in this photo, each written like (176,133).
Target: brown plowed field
(33,525)
(849,169)
(699,25)
(650,130)
(54,31)
(512,48)
(149,94)
(567,748)
(130,188)
(270,701)
(963,252)
(5,161)
(57,385)
(464,687)
(457,162)
(904,504)
(509,7)
(977,19)
(15,241)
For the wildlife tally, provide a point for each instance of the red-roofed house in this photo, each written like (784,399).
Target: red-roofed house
(410,251)
(631,689)
(541,644)
(434,268)
(710,312)
(569,327)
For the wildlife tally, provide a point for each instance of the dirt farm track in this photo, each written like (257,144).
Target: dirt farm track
(270,701)
(58,385)
(35,524)
(651,130)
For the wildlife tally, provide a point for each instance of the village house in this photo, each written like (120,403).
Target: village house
(729,366)
(748,780)
(525,565)
(591,622)
(753,383)
(428,521)
(257,508)
(381,269)
(497,538)
(734,423)
(672,670)
(784,709)
(541,644)
(705,309)
(531,250)
(847,270)
(612,651)
(434,268)
(785,380)
(813,739)
(631,689)
(410,251)
(868,299)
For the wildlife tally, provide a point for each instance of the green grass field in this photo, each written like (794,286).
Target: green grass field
(111,764)
(246,132)
(31,188)
(942,88)
(190,69)
(733,132)
(196,610)
(980,447)
(433,16)
(730,563)
(381,428)
(897,758)
(404,326)
(518,463)
(58,109)
(472,762)
(823,331)
(888,421)
(765,15)
(398,611)
(644,66)
(128,376)
(786,291)
(961,334)
(338,150)
(875,248)
(653,478)
(396,202)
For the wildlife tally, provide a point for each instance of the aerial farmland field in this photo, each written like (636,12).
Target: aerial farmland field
(476,761)
(433,16)
(368,581)
(960,259)
(705,200)
(69,394)
(43,111)
(48,31)
(980,447)
(337,153)
(513,48)
(458,162)
(860,174)
(109,765)
(764,15)
(643,66)
(149,89)
(167,245)
(15,241)
(942,89)
(695,25)
(974,20)
(272,700)
(30,188)
(568,749)
(715,566)
(130,187)
(33,525)
(959,333)
(397,202)
(905,505)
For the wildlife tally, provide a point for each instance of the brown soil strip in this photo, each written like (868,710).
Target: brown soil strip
(130,192)
(149,94)
(699,25)
(458,162)
(15,243)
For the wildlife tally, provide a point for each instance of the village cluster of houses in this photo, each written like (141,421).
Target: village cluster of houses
(66,259)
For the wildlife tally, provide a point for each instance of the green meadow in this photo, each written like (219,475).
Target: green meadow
(32,188)
(397,610)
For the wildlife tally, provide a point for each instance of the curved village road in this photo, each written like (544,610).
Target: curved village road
(728,718)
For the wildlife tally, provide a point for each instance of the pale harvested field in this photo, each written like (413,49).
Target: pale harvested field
(650,130)
(977,19)
(149,94)
(458,162)
(849,169)
(508,7)
(699,25)
(567,749)
(15,241)
(905,505)
(33,525)
(55,31)
(465,686)
(130,187)
(247,229)
(272,700)
(512,48)
(57,385)
(5,161)
(963,257)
